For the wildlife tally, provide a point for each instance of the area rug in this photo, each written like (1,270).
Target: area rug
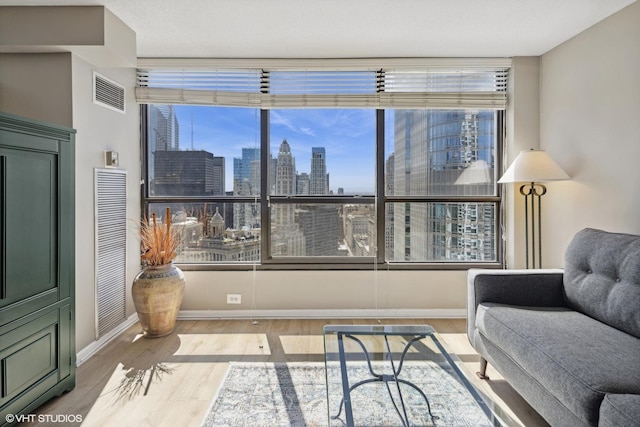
(295,394)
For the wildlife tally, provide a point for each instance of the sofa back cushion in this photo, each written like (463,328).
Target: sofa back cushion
(602,278)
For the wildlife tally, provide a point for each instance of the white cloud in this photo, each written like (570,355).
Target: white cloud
(308,131)
(280,119)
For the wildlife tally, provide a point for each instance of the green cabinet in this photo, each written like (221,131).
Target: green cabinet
(37,338)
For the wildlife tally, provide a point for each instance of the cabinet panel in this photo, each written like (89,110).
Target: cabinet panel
(30,223)
(30,356)
(31,361)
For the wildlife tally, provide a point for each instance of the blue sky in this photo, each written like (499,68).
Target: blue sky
(348,136)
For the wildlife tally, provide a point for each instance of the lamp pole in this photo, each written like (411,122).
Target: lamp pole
(533,191)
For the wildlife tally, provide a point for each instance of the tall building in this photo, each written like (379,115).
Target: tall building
(319,224)
(431,149)
(218,176)
(188,173)
(389,179)
(287,239)
(318,178)
(302,184)
(164,135)
(164,128)
(247,169)
(246,182)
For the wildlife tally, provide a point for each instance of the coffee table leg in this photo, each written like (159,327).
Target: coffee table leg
(346,392)
(405,420)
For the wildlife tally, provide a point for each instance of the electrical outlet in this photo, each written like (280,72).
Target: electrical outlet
(234,299)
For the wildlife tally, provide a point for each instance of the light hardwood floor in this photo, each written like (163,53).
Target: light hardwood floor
(171,381)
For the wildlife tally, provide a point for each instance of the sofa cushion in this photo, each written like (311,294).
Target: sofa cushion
(602,278)
(620,410)
(577,358)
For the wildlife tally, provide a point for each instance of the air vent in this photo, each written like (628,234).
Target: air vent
(111,248)
(108,93)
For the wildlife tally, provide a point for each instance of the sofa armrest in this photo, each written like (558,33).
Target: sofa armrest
(536,288)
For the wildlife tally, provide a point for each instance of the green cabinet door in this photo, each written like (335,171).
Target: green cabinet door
(29,184)
(37,252)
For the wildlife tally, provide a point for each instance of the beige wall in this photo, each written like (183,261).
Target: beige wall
(278,292)
(37,86)
(522,133)
(589,112)
(100,129)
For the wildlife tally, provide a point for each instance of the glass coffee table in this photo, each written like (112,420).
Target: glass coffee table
(388,375)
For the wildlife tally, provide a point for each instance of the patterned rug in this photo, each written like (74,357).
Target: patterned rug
(295,394)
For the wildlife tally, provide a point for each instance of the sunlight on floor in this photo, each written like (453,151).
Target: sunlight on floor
(223,344)
(302,344)
(138,394)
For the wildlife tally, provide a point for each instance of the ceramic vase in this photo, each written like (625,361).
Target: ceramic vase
(157,294)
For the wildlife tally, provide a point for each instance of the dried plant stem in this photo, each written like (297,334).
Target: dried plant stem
(158,243)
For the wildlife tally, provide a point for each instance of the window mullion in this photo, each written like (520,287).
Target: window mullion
(380,187)
(265,211)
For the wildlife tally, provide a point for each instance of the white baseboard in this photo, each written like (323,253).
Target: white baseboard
(453,313)
(84,354)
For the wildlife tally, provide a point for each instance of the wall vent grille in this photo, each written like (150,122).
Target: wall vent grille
(108,93)
(111,244)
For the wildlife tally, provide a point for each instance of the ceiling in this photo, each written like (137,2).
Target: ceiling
(350,28)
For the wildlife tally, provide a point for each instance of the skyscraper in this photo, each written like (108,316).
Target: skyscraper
(319,224)
(287,239)
(188,173)
(302,184)
(164,128)
(246,182)
(431,149)
(247,168)
(164,135)
(285,184)
(318,179)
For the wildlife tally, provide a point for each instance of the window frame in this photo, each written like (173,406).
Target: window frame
(380,200)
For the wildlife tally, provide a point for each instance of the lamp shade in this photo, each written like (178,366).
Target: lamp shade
(478,172)
(533,166)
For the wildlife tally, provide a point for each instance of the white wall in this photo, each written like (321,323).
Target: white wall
(590,109)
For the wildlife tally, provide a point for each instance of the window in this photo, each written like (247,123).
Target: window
(288,168)
(435,158)
(204,164)
(322,159)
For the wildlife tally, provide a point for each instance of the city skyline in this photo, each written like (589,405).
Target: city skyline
(427,152)
(347,135)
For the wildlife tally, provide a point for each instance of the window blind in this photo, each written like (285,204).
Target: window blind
(383,88)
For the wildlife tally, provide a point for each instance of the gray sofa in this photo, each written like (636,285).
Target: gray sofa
(567,340)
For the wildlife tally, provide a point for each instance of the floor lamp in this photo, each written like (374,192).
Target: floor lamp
(532,167)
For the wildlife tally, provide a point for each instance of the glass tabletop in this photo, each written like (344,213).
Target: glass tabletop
(390,375)
(379,329)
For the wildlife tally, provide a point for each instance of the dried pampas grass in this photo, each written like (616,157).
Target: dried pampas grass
(158,243)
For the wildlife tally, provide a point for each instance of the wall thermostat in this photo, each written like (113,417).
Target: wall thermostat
(111,158)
